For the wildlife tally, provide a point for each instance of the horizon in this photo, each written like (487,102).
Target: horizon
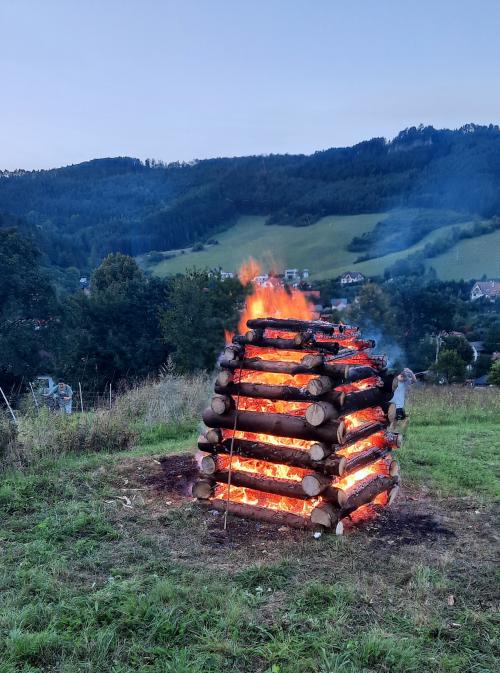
(198,81)
(241,156)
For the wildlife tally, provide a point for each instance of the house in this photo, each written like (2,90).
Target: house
(351,277)
(272,282)
(339,304)
(488,288)
(224,275)
(260,280)
(291,274)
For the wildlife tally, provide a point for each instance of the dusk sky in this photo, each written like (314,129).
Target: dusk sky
(195,79)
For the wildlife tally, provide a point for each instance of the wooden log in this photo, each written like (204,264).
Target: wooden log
(224,378)
(284,455)
(208,465)
(213,436)
(325,515)
(310,364)
(394,468)
(362,399)
(264,514)
(334,466)
(292,325)
(285,344)
(254,336)
(319,451)
(270,392)
(319,413)
(353,436)
(357,460)
(280,425)
(317,484)
(364,491)
(233,352)
(320,386)
(302,338)
(203,489)
(221,404)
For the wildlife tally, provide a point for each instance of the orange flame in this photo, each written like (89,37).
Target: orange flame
(360,418)
(347,482)
(273,406)
(273,379)
(262,467)
(275,440)
(249,496)
(271,302)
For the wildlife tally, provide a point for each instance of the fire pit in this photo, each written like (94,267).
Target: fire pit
(299,426)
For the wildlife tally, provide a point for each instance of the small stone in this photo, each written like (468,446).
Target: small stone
(451,600)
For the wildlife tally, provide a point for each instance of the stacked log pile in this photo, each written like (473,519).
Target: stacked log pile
(298,429)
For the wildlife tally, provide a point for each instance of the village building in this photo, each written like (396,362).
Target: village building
(488,288)
(351,277)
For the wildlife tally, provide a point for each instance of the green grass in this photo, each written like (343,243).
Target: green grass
(470,258)
(88,584)
(321,247)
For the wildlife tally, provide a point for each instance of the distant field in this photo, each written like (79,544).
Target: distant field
(322,248)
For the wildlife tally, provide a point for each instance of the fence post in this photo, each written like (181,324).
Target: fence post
(9,407)
(81,398)
(34,397)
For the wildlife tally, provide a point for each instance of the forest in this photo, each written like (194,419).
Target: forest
(130,326)
(79,214)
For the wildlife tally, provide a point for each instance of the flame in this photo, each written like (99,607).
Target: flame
(275,440)
(360,418)
(271,302)
(364,384)
(375,440)
(248,496)
(275,354)
(273,406)
(273,379)
(262,467)
(347,482)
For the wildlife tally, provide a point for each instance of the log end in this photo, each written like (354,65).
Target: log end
(214,436)
(325,515)
(341,432)
(208,465)
(394,468)
(220,404)
(319,451)
(314,484)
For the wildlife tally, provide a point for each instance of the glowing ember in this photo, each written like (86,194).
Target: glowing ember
(275,354)
(302,444)
(360,418)
(347,482)
(278,503)
(375,440)
(272,379)
(364,384)
(273,406)
(262,467)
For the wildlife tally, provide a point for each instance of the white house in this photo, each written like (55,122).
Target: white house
(351,277)
(489,289)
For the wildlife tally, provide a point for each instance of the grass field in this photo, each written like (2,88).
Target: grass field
(321,248)
(105,570)
(470,258)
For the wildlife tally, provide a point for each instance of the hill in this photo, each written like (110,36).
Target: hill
(81,213)
(323,249)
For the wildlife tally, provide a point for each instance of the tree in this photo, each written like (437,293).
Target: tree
(29,311)
(494,375)
(460,345)
(199,308)
(114,333)
(450,366)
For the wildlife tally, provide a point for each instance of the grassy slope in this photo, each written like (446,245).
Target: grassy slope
(470,258)
(320,247)
(90,584)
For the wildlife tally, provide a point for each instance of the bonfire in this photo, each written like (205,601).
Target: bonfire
(299,429)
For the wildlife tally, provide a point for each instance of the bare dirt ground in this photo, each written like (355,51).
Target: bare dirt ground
(456,534)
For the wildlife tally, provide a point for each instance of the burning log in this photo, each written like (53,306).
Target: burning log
(256,513)
(365,457)
(310,364)
(258,482)
(282,425)
(371,397)
(269,392)
(203,489)
(320,386)
(320,413)
(325,515)
(291,325)
(254,337)
(246,448)
(316,484)
(233,352)
(221,404)
(365,490)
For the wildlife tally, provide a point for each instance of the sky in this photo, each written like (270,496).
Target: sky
(193,79)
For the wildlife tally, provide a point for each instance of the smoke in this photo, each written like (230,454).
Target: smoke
(384,344)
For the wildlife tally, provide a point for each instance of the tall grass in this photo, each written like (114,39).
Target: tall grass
(148,413)
(454,405)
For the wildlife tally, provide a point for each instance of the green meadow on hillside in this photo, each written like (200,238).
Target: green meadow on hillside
(321,248)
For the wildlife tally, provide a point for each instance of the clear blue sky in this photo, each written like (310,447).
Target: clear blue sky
(202,78)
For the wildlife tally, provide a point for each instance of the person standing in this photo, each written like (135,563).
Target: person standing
(405,378)
(63,395)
